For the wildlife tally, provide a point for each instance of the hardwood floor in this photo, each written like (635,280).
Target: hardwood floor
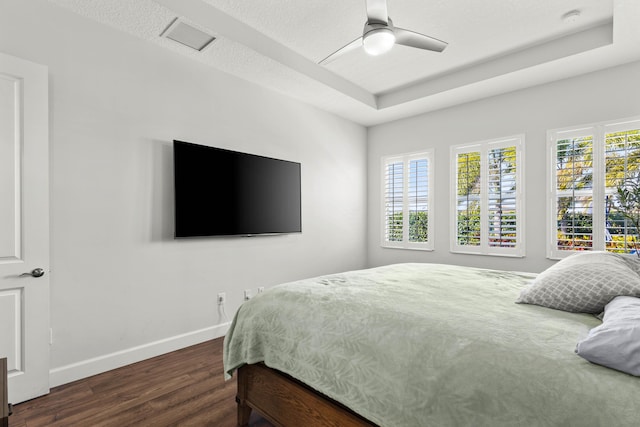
(182,388)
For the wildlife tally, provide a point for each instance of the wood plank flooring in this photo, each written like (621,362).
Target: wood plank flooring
(182,388)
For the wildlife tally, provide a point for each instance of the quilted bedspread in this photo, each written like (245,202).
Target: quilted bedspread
(433,345)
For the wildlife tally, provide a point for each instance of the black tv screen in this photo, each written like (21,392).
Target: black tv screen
(221,192)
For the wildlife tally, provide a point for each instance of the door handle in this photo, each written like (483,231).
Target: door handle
(36,272)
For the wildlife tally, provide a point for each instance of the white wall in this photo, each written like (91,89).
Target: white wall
(119,280)
(600,96)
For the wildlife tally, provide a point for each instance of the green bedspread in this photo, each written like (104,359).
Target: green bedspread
(433,345)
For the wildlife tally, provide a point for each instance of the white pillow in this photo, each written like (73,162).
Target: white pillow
(615,343)
(584,283)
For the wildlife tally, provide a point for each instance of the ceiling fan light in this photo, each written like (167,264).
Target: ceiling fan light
(378,41)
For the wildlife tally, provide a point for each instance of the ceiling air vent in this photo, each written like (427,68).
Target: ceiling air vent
(187,35)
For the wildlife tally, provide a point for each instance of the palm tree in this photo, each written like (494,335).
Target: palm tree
(628,203)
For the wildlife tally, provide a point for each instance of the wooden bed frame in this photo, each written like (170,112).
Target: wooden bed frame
(4,404)
(285,401)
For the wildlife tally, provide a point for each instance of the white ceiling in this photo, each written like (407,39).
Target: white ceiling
(495,46)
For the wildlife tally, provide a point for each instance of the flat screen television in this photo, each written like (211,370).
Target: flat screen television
(221,192)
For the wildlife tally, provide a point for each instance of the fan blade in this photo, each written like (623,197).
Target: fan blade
(377,11)
(413,39)
(348,48)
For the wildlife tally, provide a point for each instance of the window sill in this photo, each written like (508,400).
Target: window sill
(407,248)
(487,254)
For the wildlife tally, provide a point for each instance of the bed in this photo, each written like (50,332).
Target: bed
(419,345)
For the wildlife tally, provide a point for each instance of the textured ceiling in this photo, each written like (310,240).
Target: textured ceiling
(494,46)
(475,30)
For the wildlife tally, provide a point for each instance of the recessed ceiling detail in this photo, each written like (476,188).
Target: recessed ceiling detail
(494,47)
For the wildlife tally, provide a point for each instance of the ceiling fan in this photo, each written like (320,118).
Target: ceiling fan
(379,35)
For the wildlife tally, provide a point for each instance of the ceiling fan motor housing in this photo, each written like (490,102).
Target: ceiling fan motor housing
(378,37)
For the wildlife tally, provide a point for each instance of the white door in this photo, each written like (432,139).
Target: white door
(24,226)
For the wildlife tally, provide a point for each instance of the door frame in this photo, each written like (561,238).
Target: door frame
(26,295)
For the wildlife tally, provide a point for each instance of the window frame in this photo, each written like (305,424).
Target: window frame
(406,159)
(598,131)
(484,147)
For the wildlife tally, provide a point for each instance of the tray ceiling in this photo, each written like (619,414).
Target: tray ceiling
(495,46)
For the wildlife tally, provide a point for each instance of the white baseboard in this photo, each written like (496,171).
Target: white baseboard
(97,365)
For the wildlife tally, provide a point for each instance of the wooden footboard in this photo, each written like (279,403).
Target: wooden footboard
(285,402)
(4,404)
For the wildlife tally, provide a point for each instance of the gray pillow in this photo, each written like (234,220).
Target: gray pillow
(632,260)
(616,343)
(583,283)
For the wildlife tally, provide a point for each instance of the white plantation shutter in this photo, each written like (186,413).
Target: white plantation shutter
(394,201)
(502,200)
(407,183)
(468,198)
(418,200)
(574,192)
(588,164)
(622,162)
(486,197)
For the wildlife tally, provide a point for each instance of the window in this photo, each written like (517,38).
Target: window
(486,188)
(406,212)
(588,163)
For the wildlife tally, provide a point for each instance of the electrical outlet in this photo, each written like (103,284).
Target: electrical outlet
(247,294)
(222,298)
(261,289)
